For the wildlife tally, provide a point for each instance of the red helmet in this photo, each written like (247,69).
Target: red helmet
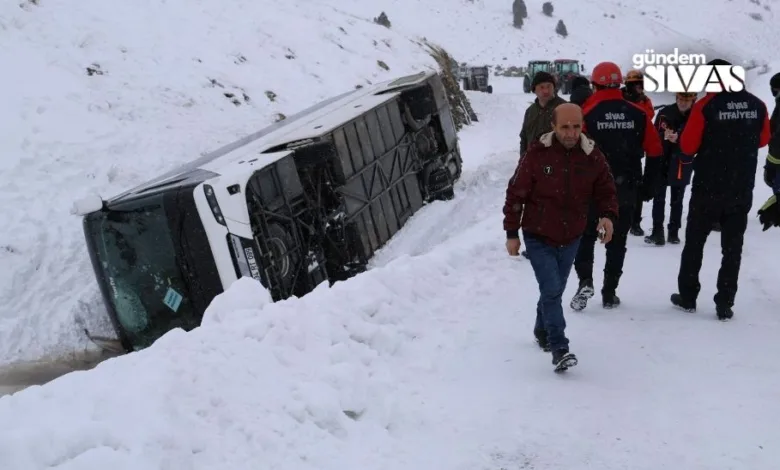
(607,74)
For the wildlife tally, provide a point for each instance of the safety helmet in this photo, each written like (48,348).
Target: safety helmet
(607,74)
(634,75)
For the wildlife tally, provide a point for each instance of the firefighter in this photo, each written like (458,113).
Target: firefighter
(624,132)
(769,213)
(725,144)
(634,91)
(676,169)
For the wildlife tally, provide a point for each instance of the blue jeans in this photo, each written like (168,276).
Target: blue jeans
(551,265)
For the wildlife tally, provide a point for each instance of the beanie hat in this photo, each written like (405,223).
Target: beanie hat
(542,77)
(579,80)
(774,82)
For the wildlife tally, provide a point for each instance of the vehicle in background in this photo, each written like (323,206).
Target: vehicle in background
(564,71)
(534,67)
(476,78)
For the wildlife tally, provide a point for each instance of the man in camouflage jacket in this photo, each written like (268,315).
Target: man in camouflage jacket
(538,116)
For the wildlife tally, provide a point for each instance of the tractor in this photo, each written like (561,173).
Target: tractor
(564,71)
(476,78)
(535,66)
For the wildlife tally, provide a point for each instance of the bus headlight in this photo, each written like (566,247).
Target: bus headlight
(211,198)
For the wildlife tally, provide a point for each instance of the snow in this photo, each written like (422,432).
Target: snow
(427,361)
(481,31)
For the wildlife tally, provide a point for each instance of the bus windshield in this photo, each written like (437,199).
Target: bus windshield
(134,248)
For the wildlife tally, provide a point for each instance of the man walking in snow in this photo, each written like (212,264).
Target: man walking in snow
(675,169)
(624,132)
(538,116)
(724,131)
(561,175)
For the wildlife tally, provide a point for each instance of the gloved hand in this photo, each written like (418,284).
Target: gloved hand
(769,214)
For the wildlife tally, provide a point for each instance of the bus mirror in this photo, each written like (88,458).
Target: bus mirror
(87,204)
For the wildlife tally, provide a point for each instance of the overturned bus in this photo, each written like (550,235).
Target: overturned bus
(307,200)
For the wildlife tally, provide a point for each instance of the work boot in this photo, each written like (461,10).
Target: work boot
(724,312)
(682,303)
(609,300)
(562,359)
(673,238)
(584,292)
(656,237)
(636,230)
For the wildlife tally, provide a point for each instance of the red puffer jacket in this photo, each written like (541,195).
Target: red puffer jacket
(553,187)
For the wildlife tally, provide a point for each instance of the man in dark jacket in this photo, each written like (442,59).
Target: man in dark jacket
(580,90)
(675,169)
(769,214)
(561,175)
(634,91)
(624,132)
(538,116)
(724,131)
(774,85)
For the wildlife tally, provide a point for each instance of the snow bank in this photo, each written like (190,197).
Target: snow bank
(100,95)
(313,383)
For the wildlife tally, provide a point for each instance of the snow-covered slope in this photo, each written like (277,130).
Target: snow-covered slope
(428,362)
(481,31)
(98,96)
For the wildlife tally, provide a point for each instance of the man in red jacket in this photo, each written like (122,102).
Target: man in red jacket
(560,177)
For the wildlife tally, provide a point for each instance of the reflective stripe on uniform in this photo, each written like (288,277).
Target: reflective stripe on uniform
(773,160)
(772,200)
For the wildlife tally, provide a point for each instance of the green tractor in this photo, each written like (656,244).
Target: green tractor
(564,71)
(534,67)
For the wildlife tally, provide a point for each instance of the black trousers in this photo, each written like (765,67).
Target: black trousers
(675,205)
(616,248)
(703,213)
(636,212)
